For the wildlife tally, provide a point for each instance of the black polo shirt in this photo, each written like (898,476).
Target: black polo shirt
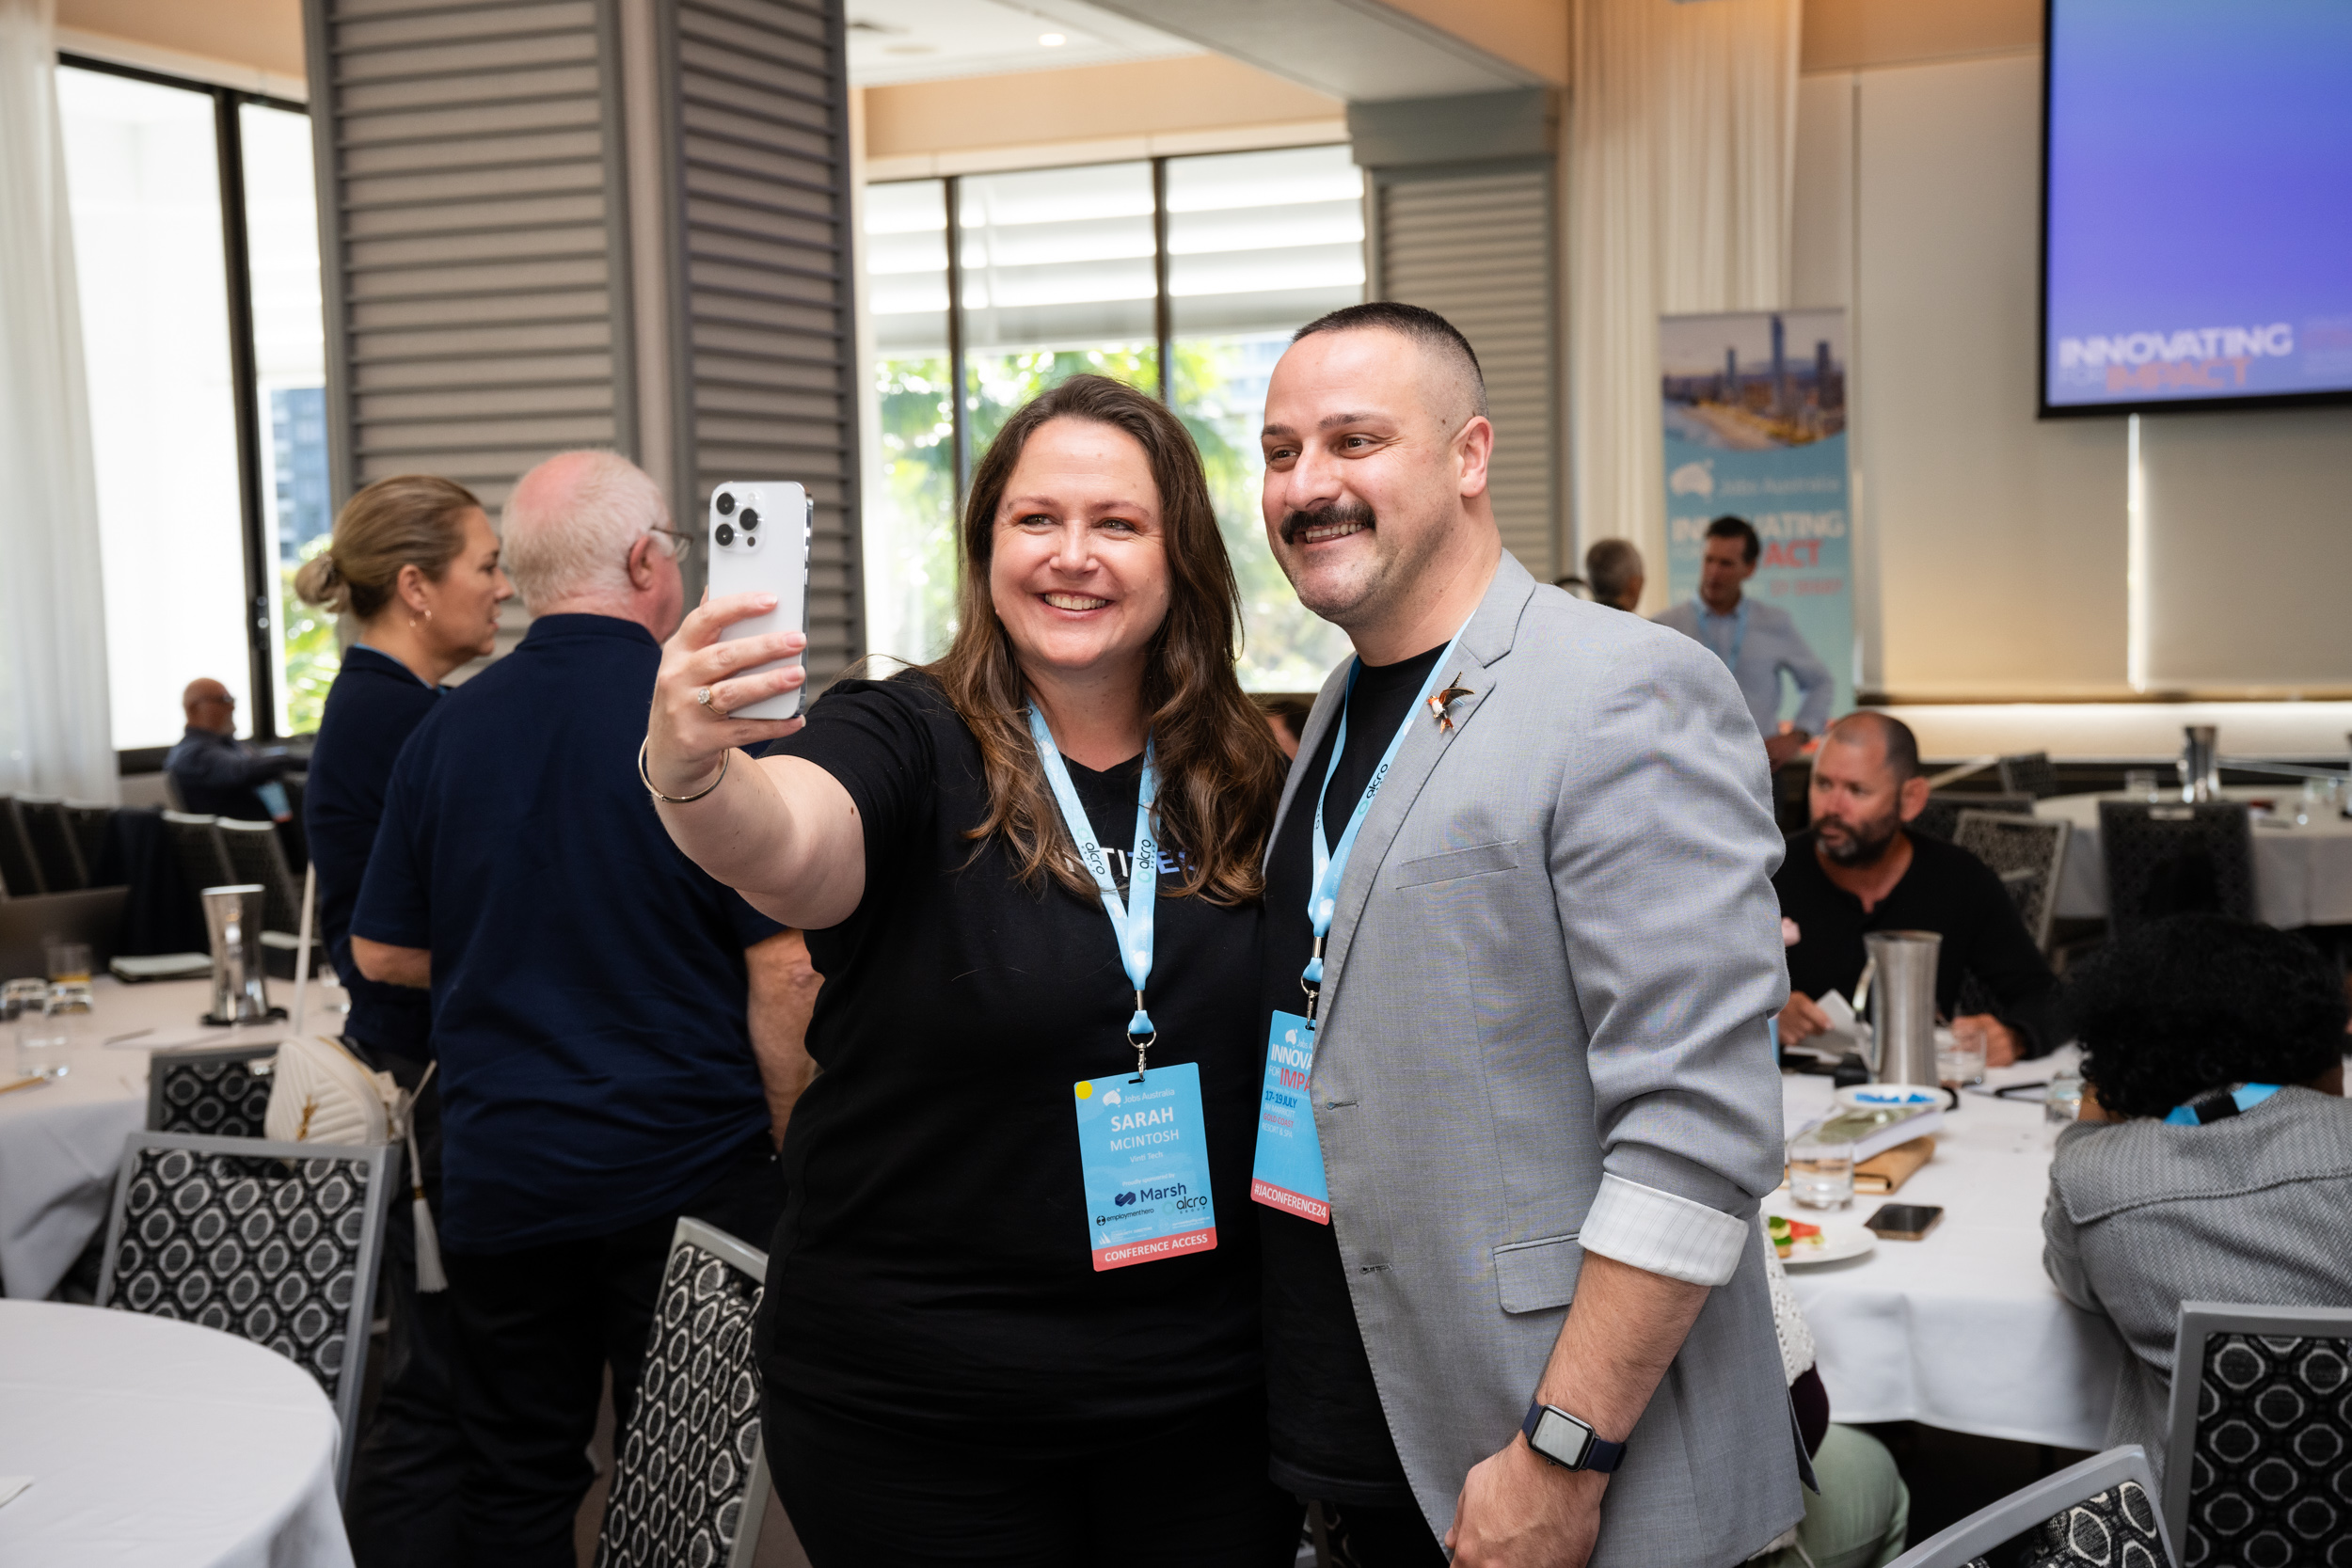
(589,983)
(1946,890)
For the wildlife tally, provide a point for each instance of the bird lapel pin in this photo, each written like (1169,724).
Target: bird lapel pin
(1453,692)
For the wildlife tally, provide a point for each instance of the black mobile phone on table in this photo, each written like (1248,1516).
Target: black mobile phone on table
(1904,1222)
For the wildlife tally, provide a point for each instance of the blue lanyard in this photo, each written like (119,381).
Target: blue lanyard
(1133,924)
(1739,632)
(1330,861)
(2243,1097)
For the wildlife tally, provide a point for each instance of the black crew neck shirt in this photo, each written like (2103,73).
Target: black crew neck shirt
(1946,890)
(1330,1440)
(933,1267)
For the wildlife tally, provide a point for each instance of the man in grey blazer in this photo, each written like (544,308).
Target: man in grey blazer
(1520,1103)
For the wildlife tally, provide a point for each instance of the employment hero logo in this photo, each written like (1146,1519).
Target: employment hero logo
(2187,360)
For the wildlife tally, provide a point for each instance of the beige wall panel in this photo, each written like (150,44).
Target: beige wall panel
(1999,540)
(264,33)
(1091,102)
(2248,519)
(1844,35)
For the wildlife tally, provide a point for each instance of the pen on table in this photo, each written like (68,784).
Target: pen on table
(134,1034)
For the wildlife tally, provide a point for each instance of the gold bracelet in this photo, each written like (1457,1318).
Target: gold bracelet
(647,779)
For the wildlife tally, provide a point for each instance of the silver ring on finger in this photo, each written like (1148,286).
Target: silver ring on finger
(702,696)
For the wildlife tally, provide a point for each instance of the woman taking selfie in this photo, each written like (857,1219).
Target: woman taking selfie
(413,561)
(1015,1272)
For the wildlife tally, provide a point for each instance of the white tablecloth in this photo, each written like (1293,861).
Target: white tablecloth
(2302,875)
(155,1442)
(1962,1330)
(61,1144)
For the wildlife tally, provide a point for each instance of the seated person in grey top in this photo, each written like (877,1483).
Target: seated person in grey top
(2214,1160)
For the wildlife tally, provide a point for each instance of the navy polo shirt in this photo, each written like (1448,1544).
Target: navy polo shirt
(375,704)
(589,983)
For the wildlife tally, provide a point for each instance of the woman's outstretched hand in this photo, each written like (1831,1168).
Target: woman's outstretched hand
(686,735)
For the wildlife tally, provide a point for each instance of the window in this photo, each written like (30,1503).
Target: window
(282,228)
(1060,272)
(201,323)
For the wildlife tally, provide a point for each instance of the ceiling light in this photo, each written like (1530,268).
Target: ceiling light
(1052,41)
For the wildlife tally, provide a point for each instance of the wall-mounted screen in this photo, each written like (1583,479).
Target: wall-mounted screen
(2197,217)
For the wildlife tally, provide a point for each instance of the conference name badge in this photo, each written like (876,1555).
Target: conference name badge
(1287,1173)
(1146,1166)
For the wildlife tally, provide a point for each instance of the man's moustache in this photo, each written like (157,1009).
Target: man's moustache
(1348,511)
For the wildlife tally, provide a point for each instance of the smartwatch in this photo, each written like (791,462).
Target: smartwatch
(1568,1441)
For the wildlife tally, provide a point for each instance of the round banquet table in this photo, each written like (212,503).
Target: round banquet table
(2302,875)
(1962,1330)
(153,1442)
(61,1143)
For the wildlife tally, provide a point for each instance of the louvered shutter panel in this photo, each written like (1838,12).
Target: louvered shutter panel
(1476,248)
(472,231)
(763,136)
(475,239)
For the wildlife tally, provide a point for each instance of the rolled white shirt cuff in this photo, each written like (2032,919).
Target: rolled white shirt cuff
(1665,1234)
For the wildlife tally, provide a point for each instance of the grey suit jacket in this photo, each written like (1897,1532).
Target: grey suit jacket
(1555,952)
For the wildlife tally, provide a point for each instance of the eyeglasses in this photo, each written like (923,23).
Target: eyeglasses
(677,547)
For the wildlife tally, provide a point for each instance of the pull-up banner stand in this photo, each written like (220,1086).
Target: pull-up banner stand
(1754,410)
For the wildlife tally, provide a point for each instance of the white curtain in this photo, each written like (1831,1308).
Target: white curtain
(1682,157)
(56,737)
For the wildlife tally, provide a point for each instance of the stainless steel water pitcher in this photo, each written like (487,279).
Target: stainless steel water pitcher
(2201,763)
(232,915)
(1902,1003)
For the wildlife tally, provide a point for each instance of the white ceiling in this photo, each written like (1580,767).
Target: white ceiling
(922,41)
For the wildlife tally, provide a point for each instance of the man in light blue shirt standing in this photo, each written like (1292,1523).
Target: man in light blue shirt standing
(1757,640)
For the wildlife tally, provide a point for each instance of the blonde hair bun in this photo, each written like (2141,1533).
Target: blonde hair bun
(407,520)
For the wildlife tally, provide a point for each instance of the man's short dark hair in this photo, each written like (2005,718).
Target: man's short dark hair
(2201,1001)
(1729,526)
(1428,329)
(1901,746)
(1611,565)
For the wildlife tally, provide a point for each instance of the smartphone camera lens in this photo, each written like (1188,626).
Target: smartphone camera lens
(726,503)
(750,519)
(724,534)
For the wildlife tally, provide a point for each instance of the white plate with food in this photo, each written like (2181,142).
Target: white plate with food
(1821,1239)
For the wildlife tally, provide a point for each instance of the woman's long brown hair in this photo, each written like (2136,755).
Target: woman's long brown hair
(1220,772)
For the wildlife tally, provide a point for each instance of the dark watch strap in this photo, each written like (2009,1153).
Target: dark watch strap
(1600,1453)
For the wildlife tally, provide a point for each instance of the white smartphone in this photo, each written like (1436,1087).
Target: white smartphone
(759,545)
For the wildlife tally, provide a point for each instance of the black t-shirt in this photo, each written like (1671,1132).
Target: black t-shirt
(933,1263)
(1330,1440)
(1946,890)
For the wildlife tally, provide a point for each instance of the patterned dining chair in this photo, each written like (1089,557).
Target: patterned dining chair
(2167,859)
(1940,818)
(220,1090)
(2027,853)
(278,1243)
(2259,1471)
(691,1486)
(2029,773)
(2100,1514)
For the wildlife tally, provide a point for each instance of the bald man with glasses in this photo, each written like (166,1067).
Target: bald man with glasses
(217,774)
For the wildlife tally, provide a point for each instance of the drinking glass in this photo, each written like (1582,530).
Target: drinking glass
(2062,1102)
(2142,784)
(43,1044)
(68,961)
(1820,1172)
(19,997)
(1960,1058)
(70,996)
